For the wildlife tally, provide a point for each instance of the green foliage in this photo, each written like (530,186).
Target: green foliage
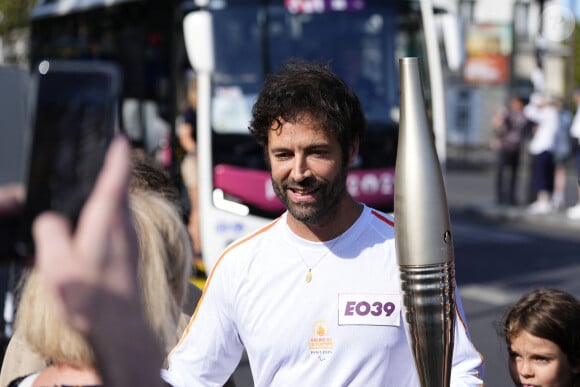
(14,15)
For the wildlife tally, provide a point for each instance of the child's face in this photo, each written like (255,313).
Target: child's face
(539,362)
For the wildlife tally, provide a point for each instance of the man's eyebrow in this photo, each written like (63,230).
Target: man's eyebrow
(279,149)
(321,144)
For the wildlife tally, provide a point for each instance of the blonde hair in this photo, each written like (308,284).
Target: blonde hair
(164,267)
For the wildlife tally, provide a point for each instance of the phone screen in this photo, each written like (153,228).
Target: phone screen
(75,119)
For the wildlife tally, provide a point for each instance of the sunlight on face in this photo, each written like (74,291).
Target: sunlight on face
(535,361)
(307,171)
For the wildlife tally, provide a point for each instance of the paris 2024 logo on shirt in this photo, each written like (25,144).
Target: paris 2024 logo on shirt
(321,344)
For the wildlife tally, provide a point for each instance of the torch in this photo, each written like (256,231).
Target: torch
(423,236)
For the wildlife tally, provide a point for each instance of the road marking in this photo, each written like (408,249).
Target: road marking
(493,295)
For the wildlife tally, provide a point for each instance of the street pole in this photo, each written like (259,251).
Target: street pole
(538,78)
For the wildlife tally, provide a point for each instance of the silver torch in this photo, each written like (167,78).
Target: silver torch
(423,236)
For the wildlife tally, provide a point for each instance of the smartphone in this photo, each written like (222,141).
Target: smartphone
(74,119)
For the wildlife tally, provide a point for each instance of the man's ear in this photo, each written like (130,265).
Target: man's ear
(353,151)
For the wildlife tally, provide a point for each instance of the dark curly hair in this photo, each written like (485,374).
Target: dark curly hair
(550,314)
(302,87)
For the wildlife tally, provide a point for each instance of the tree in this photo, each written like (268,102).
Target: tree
(14,21)
(14,15)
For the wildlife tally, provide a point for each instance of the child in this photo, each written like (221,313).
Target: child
(542,333)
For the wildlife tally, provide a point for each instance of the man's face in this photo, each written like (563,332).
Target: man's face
(308,175)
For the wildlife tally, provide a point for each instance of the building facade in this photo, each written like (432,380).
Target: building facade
(507,47)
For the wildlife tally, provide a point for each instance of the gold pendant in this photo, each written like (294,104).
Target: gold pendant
(309,276)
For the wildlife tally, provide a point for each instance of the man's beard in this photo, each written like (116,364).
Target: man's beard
(327,198)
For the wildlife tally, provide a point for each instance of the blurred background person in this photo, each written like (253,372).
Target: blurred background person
(509,130)
(562,150)
(542,112)
(189,170)
(574,211)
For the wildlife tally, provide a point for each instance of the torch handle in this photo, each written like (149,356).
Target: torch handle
(429,298)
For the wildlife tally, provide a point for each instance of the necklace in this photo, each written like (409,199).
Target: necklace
(329,247)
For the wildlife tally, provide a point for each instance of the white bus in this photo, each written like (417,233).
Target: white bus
(231,45)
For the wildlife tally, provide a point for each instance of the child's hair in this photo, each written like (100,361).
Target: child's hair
(550,314)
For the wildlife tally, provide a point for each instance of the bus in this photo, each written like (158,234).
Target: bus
(230,45)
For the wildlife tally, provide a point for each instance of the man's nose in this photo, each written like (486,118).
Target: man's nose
(300,169)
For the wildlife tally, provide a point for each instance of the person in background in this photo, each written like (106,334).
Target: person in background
(509,129)
(562,152)
(189,170)
(93,268)
(574,211)
(164,267)
(542,334)
(542,112)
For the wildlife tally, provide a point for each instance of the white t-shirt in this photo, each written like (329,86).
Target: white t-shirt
(345,327)
(544,138)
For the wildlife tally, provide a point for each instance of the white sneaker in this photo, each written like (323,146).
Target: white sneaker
(539,208)
(573,212)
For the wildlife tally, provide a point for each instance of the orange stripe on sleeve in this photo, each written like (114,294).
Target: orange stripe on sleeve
(207,283)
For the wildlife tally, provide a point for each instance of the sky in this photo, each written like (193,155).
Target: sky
(572,3)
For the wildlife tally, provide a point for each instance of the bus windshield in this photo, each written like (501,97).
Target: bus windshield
(362,47)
